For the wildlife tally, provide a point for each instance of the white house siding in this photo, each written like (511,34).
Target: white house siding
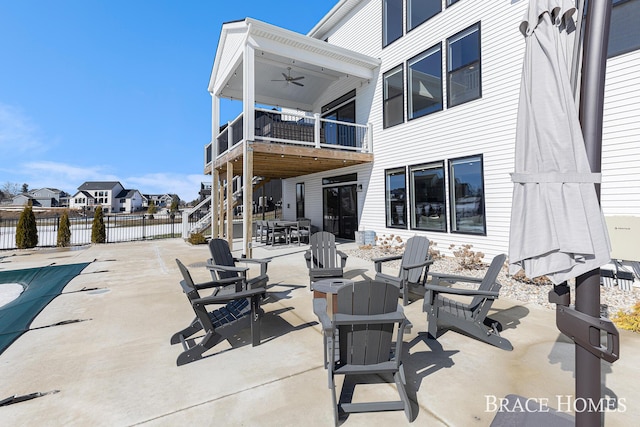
(484,126)
(621,137)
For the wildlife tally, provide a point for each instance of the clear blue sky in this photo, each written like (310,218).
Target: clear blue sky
(97,90)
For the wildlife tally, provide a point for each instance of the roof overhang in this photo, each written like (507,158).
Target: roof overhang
(279,51)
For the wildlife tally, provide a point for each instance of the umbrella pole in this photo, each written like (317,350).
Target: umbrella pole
(596,37)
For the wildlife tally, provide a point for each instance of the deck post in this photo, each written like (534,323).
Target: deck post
(316,129)
(248,131)
(230,204)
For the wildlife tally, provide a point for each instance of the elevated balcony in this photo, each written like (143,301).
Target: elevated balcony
(291,144)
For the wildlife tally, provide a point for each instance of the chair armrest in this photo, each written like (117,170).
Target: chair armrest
(378,261)
(227,268)
(421,264)
(221,299)
(264,263)
(320,310)
(217,283)
(457,291)
(452,278)
(343,258)
(386,258)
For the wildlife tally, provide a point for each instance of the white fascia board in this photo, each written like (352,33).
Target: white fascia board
(227,29)
(289,39)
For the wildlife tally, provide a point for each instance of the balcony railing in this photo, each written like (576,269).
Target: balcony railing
(295,129)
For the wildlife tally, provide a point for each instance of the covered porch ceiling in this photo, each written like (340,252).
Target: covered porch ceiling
(278,52)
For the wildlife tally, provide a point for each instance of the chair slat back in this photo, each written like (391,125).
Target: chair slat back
(323,250)
(192,294)
(370,343)
(416,251)
(489,282)
(221,255)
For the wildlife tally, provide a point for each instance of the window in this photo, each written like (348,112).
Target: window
(300,200)
(123,200)
(391,21)
(467,195)
(418,11)
(393,97)
(428,204)
(450,2)
(425,83)
(395,191)
(624,34)
(463,79)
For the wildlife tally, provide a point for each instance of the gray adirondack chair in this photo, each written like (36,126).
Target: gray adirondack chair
(324,260)
(222,266)
(365,319)
(237,311)
(470,318)
(413,267)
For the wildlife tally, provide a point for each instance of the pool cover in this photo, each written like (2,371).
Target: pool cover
(41,286)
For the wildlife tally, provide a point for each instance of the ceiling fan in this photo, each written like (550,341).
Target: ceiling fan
(289,79)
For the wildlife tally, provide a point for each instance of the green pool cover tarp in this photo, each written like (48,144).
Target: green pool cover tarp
(41,285)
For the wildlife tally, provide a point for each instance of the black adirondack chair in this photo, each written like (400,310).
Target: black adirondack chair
(236,311)
(413,268)
(470,318)
(324,260)
(364,352)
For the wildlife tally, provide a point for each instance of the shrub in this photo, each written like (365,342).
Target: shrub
(98,230)
(629,321)
(152,209)
(390,243)
(64,231)
(468,259)
(197,238)
(27,231)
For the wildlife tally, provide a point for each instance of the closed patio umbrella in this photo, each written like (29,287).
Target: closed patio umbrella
(557,228)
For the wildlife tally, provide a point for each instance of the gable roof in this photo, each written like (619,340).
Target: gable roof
(126,194)
(99,185)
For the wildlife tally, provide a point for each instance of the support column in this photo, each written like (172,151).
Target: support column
(230,204)
(220,207)
(215,179)
(215,215)
(248,111)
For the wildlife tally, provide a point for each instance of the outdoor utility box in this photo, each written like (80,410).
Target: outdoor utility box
(367,237)
(624,233)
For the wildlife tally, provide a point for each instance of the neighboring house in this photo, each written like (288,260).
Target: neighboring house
(111,195)
(159,200)
(399,116)
(43,197)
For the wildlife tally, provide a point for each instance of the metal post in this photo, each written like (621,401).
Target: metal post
(596,37)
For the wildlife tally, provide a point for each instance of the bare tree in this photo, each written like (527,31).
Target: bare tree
(11,189)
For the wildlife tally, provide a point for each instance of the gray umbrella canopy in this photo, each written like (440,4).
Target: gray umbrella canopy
(557,227)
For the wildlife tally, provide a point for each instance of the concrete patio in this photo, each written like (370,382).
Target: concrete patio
(117,367)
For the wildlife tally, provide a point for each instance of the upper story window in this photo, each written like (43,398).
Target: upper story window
(450,2)
(425,83)
(624,35)
(418,11)
(393,96)
(391,21)
(463,68)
